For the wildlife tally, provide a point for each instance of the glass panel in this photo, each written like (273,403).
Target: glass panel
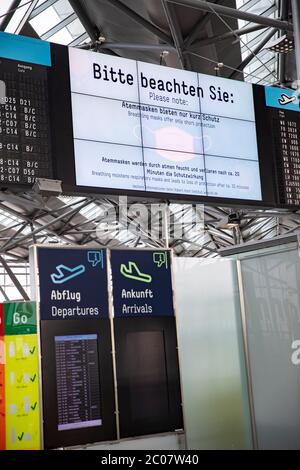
(267,8)
(61,37)
(272,301)
(211,355)
(17,17)
(68,34)
(75,28)
(5,6)
(51,17)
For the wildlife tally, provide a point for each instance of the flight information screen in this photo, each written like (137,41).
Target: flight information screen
(287,131)
(284,112)
(77,381)
(25,145)
(143,127)
(111,125)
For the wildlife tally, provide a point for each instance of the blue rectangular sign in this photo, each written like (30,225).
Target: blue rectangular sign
(283,98)
(25,49)
(73,283)
(142,284)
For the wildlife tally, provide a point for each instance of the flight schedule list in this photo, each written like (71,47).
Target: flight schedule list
(25,148)
(286,129)
(77,382)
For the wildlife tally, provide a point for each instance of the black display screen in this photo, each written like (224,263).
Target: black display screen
(78,386)
(244,162)
(77,381)
(286,130)
(278,131)
(110,125)
(25,141)
(147,369)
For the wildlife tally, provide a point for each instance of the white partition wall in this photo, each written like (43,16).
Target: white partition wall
(213,375)
(271,285)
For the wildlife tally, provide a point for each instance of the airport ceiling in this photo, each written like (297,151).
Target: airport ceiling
(170,33)
(167,28)
(191,34)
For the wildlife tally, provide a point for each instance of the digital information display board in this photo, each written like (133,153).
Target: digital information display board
(144,127)
(76,345)
(147,130)
(287,131)
(25,140)
(77,381)
(111,125)
(147,366)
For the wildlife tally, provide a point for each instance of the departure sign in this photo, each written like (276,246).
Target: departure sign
(25,146)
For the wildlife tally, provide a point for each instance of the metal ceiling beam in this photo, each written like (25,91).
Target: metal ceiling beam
(265,227)
(38,10)
(225,36)
(79,39)
(26,16)
(90,28)
(141,21)
(136,46)
(284,14)
(46,226)
(296,22)
(6,19)
(50,233)
(175,31)
(253,54)
(54,211)
(4,294)
(14,279)
(109,52)
(235,13)
(14,236)
(197,28)
(58,27)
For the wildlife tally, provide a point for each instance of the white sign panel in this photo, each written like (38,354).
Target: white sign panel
(144,127)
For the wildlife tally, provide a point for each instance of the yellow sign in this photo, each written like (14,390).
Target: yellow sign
(2,396)
(22,393)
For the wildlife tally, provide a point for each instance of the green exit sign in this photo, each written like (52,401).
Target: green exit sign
(19,318)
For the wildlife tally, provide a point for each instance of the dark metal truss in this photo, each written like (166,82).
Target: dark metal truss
(28,218)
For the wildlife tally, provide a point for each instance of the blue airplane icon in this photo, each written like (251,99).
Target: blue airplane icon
(64,273)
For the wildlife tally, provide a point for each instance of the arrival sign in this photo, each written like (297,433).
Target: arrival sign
(142,284)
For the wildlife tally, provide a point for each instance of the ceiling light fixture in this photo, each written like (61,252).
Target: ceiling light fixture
(230,221)
(281,45)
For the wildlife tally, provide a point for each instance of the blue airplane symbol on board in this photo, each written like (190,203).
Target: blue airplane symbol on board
(65,273)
